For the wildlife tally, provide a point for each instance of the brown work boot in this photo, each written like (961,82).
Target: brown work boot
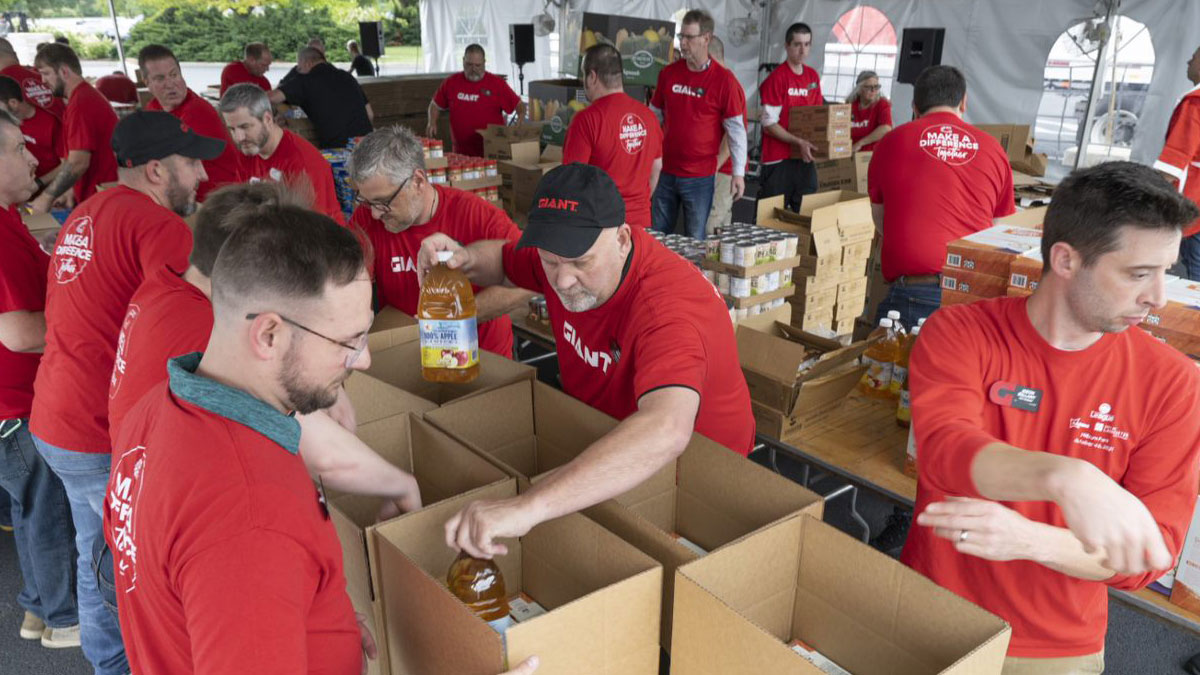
(32,627)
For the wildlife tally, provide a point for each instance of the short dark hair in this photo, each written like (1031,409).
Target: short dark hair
(939,86)
(255,50)
(1091,205)
(476,48)
(56,56)
(287,253)
(227,206)
(798,27)
(154,52)
(605,61)
(10,89)
(700,18)
(312,54)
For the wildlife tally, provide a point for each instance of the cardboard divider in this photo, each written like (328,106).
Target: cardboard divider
(737,609)
(400,367)
(375,399)
(391,328)
(601,595)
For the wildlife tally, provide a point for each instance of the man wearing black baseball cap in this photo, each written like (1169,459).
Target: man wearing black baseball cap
(641,335)
(103,252)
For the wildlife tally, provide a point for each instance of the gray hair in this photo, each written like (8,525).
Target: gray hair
(392,151)
(248,96)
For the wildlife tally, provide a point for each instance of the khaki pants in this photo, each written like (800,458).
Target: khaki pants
(1090,664)
(721,212)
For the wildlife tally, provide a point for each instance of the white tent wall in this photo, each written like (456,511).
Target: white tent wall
(1001,45)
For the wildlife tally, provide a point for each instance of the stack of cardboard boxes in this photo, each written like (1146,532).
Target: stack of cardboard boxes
(979,266)
(836,233)
(1018,143)
(826,126)
(849,173)
(522,163)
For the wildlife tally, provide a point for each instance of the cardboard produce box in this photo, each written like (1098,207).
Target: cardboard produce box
(1018,145)
(511,142)
(829,149)
(519,179)
(848,174)
(400,367)
(992,251)
(739,609)
(374,399)
(601,595)
(950,297)
(646,45)
(400,95)
(443,468)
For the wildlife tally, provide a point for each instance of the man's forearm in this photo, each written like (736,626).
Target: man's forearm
(22,331)
(434,113)
(1060,550)
(486,264)
(345,463)
(777,132)
(1002,472)
(68,173)
(723,152)
(496,301)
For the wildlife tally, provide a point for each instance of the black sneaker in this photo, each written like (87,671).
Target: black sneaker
(891,539)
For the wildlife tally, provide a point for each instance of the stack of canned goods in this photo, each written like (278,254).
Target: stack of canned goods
(746,245)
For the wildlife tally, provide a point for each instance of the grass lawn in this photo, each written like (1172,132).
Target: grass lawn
(405,54)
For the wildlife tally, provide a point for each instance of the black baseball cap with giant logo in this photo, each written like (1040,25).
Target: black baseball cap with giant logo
(572,205)
(156,134)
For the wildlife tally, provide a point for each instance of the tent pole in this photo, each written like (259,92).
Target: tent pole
(1097,90)
(112,10)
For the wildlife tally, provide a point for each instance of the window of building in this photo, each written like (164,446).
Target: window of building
(863,39)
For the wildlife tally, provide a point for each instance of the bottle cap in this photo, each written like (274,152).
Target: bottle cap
(885,322)
(444,256)
(893,315)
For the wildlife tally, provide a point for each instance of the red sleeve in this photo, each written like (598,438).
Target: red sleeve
(820,98)
(769,92)
(656,99)
(578,145)
(654,137)
(80,134)
(1183,138)
(732,106)
(508,99)
(1006,205)
(167,243)
(522,267)
(441,98)
(226,78)
(668,353)
(496,223)
(948,398)
(883,113)
(272,582)
(59,138)
(1164,469)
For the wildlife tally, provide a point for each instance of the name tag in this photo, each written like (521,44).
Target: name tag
(1011,395)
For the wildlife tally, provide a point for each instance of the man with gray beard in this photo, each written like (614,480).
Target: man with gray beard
(474,99)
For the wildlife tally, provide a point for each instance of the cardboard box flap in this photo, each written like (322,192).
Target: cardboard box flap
(400,366)
(496,418)
(389,438)
(765,351)
(1033,217)
(835,354)
(392,327)
(565,424)
(374,399)
(445,468)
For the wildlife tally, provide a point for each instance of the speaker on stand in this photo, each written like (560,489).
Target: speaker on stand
(370,40)
(520,48)
(920,48)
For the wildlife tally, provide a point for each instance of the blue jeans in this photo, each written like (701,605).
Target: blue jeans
(1189,257)
(85,477)
(695,195)
(913,301)
(42,526)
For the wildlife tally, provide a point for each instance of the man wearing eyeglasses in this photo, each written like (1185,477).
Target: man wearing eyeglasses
(274,153)
(698,101)
(398,207)
(790,85)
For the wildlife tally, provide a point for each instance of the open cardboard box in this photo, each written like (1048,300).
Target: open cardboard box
(392,327)
(737,609)
(400,367)
(826,222)
(443,468)
(993,250)
(375,399)
(601,595)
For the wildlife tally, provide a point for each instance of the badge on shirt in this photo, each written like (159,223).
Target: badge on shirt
(487,92)
(1011,395)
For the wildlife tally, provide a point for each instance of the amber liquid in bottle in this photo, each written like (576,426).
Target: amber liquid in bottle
(449,332)
(479,584)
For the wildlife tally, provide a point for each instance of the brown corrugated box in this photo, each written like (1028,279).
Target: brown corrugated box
(602,596)
(991,251)
(973,283)
(391,328)
(737,610)
(374,399)
(400,367)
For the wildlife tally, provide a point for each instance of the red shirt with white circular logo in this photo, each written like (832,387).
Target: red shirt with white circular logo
(938,179)
(35,88)
(473,106)
(106,248)
(866,120)
(621,136)
(22,288)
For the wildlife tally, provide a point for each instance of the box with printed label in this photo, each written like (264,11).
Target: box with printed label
(556,102)
(1026,270)
(400,367)
(600,595)
(826,150)
(972,283)
(737,610)
(1185,591)
(1181,314)
(849,307)
(992,251)
(950,297)
(830,219)
(818,115)
(443,468)
(645,45)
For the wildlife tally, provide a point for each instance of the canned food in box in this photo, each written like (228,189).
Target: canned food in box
(773,281)
(793,245)
(726,251)
(739,287)
(763,252)
(712,249)
(741,313)
(785,278)
(723,283)
(758,285)
(744,253)
(754,310)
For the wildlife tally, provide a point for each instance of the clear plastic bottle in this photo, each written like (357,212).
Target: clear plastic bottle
(880,359)
(479,584)
(904,407)
(449,332)
(894,315)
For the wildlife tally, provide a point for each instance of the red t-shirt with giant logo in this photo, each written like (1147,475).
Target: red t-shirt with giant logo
(694,104)
(167,317)
(89,123)
(866,120)
(473,106)
(204,119)
(35,88)
(785,89)
(621,136)
(938,179)
(22,288)
(45,138)
(461,216)
(297,159)
(237,73)
(1143,432)
(105,250)
(666,326)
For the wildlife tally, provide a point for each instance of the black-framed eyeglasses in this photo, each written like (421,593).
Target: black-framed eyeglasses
(356,348)
(872,87)
(386,206)
(689,36)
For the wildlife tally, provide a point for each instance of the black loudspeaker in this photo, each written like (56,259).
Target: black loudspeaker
(370,38)
(520,43)
(919,49)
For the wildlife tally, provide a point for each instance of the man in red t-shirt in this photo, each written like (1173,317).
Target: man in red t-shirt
(474,98)
(1179,158)
(1057,442)
(792,84)
(399,207)
(89,122)
(616,133)
(256,61)
(30,80)
(44,137)
(271,152)
(721,213)
(118,88)
(103,252)
(870,112)
(931,181)
(697,99)
(165,81)
(40,517)
(641,336)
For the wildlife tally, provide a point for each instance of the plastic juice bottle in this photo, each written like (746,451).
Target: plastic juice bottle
(910,455)
(894,315)
(449,334)
(479,584)
(880,358)
(904,407)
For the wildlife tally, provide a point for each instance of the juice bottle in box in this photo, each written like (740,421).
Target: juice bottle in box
(880,359)
(449,333)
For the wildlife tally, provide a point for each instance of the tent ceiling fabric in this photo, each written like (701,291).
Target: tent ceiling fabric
(1001,45)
